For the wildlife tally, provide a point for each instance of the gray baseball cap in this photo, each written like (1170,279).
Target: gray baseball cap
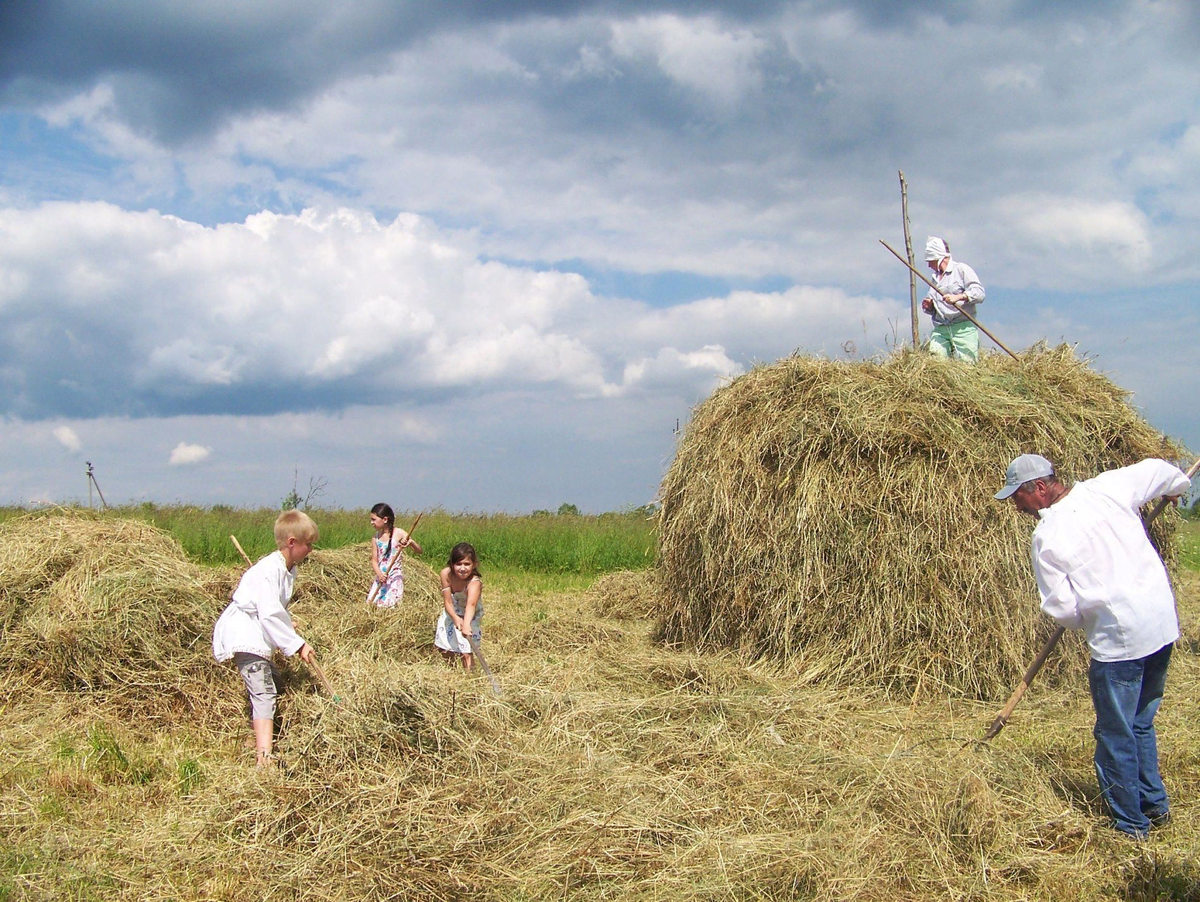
(1023,469)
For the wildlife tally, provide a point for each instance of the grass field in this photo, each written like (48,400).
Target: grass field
(612,767)
(534,543)
(1189,546)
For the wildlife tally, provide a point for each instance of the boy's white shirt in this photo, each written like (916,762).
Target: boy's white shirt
(256,621)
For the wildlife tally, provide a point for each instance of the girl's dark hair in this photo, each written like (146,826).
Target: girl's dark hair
(461,552)
(385,511)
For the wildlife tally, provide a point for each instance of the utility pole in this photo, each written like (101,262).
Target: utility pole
(91,476)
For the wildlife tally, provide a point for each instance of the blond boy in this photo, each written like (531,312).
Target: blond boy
(256,623)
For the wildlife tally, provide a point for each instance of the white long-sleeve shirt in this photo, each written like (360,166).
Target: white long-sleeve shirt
(957,279)
(257,621)
(1096,569)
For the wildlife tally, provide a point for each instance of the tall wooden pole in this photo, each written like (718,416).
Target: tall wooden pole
(92,482)
(912,279)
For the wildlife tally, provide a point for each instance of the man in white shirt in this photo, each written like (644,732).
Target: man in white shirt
(1097,571)
(959,290)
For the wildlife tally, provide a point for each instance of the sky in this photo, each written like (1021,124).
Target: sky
(488,257)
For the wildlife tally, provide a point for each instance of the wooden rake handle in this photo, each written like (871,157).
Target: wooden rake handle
(326,685)
(1032,671)
(238,546)
(478,653)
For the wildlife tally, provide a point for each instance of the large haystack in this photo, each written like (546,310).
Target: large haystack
(839,515)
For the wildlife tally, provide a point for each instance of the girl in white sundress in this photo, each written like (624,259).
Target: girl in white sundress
(462,591)
(386,558)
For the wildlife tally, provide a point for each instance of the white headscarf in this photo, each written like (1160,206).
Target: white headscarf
(935,248)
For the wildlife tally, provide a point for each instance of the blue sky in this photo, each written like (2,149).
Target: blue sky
(484,256)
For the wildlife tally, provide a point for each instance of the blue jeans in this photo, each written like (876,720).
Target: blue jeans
(1127,695)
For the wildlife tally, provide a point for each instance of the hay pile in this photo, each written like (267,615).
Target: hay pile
(111,606)
(625,595)
(99,604)
(839,515)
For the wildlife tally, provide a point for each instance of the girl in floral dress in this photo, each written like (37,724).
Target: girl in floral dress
(386,557)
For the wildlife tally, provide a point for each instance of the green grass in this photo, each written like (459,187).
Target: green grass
(1189,544)
(534,543)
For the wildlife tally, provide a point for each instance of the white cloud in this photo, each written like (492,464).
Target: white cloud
(1013,77)
(184,454)
(1074,228)
(590,137)
(704,368)
(765,325)
(698,53)
(265,313)
(68,438)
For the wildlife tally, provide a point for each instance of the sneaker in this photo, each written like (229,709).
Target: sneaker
(1161,819)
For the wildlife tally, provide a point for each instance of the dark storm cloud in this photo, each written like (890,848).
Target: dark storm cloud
(180,70)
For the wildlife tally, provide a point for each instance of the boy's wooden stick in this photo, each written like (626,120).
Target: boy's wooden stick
(238,546)
(375,588)
(316,668)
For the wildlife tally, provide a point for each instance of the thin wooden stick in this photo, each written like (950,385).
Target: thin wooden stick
(316,668)
(375,588)
(478,652)
(238,546)
(912,282)
(980,325)
(1032,671)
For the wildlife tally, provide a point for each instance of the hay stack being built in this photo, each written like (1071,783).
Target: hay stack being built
(839,515)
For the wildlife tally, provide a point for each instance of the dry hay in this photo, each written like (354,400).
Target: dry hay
(611,768)
(631,772)
(625,595)
(100,604)
(97,604)
(839,515)
(331,610)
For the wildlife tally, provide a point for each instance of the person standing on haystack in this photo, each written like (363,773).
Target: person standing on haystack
(1097,571)
(959,290)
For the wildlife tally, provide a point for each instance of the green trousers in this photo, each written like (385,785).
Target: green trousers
(955,340)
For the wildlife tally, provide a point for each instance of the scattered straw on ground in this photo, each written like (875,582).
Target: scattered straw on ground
(626,595)
(611,767)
